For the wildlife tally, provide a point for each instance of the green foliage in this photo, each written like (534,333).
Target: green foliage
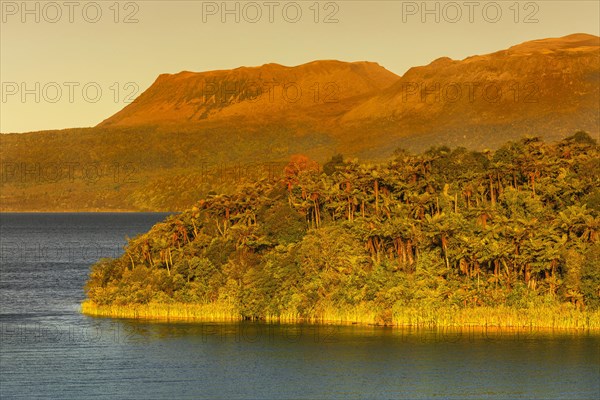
(582,137)
(282,224)
(590,276)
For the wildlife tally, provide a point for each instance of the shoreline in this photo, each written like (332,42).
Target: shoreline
(462,318)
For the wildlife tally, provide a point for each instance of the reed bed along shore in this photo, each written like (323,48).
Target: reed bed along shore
(557,317)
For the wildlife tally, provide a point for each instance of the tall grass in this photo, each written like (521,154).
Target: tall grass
(553,317)
(161,311)
(547,317)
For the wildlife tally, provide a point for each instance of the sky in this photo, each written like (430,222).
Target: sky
(67,64)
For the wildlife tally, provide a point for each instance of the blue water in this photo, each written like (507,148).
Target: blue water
(49,350)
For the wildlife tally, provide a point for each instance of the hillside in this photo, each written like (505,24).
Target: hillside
(256,95)
(547,87)
(193,132)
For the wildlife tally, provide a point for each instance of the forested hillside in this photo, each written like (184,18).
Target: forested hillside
(506,237)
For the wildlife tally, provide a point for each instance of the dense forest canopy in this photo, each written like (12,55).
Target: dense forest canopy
(518,227)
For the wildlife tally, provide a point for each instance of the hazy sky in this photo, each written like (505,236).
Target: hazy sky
(71,64)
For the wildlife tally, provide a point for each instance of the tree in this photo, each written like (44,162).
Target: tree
(333,164)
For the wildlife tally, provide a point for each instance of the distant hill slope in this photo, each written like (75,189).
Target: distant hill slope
(547,87)
(262,94)
(155,151)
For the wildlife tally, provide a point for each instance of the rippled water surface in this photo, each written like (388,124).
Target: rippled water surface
(49,350)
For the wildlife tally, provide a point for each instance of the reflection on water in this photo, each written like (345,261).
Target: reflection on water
(49,350)
(131,330)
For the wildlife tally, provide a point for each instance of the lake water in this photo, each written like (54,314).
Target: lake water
(49,350)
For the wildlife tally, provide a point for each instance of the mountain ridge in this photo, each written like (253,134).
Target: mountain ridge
(528,84)
(191,97)
(552,82)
